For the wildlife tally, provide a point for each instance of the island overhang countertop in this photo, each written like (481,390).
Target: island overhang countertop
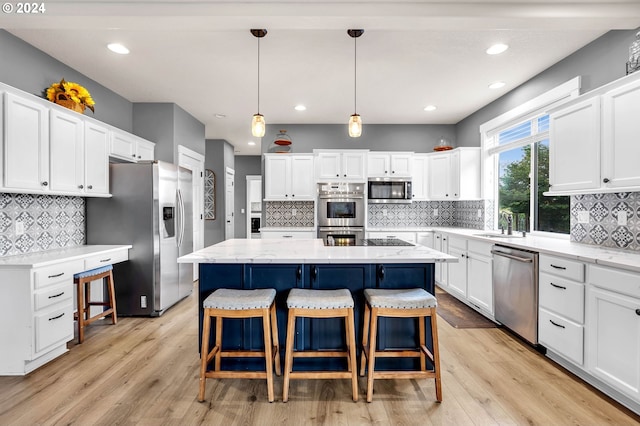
(310,251)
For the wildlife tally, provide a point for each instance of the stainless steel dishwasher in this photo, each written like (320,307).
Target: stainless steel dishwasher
(515,289)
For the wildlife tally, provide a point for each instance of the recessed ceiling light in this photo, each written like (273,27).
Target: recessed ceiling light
(251,143)
(430,108)
(496,85)
(300,108)
(118,48)
(220,116)
(496,49)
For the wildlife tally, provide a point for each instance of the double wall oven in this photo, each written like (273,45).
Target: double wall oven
(341,210)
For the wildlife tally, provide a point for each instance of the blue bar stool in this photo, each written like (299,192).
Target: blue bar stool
(400,303)
(82,281)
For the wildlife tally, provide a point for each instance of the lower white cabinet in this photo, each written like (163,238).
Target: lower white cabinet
(470,279)
(441,243)
(457,283)
(293,234)
(425,238)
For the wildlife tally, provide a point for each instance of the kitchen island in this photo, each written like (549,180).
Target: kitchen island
(285,264)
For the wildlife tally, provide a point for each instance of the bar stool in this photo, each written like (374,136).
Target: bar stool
(83,281)
(229,303)
(400,303)
(320,304)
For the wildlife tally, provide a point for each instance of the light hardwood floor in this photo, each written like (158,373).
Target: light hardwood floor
(144,371)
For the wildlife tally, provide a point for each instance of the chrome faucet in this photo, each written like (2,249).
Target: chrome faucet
(509,224)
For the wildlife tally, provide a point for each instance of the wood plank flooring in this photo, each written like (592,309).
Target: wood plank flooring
(144,371)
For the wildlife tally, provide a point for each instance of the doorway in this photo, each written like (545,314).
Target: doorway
(193,161)
(254,206)
(229,203)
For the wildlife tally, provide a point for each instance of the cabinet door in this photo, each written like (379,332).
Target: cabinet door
(378,165)
(302,183)
(439,172)
(574,147)
(419,177)
(454,174)
(620,147)
(479,281)
(353,165)
(401,165)
(26,144)
(458,272)
(441,244)
(614,340)
(425,239)
(96,159)
(277,170)
(122,146)
(66,145)
(328,166)
(145,150)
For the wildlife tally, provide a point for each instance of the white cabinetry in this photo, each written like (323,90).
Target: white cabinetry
(288,177)
(419,182)
(561,307)
(425,238)
(340,165)
(128,147)
(441,243)
(266,234)
(96,159)
(454,175)
(387,164)
(480,276)
(458,270)
(66,150)
(409,237)
(613,324)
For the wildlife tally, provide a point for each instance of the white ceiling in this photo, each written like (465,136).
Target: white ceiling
(201,55)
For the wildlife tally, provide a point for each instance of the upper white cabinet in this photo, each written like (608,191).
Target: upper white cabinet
(340,165)
(289,177)
(593,141)
(96,159)
(387,164)
(419,174)
(26,144)
(128,147)
(454,175)
(66,148)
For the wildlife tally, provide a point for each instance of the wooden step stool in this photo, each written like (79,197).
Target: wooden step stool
(83,281)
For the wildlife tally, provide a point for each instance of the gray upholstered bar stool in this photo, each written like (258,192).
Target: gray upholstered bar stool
(320,304)
(400,303)
(229,303)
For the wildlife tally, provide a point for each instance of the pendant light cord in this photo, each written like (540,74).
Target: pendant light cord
(355,71)
(258,75)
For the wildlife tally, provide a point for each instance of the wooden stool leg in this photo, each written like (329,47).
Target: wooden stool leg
(274,335)
(353,362)
(436,355)
(288,361)
(268,358)
(112,297)
(80,295)
(365,337)
(218,343)
(372,352)
(204,354)
(422,339)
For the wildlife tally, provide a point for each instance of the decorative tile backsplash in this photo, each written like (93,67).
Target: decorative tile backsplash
(280,213)
(603,229)
(49,222)
(428,213)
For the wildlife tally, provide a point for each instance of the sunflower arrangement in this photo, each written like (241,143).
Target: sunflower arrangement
(69,91)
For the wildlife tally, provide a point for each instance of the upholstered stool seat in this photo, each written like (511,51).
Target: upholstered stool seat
(321,304)
(83,281)
(400,303)
(231,303)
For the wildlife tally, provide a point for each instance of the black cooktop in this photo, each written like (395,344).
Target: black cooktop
(384,242)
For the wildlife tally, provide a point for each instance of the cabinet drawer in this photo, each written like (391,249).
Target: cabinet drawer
(562,296)
(562,267)
(287,234)
(58,273)
(54,326)
(616,280)
(105,259)
(561,335)
(53,295)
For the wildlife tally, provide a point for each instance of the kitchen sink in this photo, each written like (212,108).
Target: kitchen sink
(494,235)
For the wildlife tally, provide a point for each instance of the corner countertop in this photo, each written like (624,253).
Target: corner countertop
(53,256)
(310,251)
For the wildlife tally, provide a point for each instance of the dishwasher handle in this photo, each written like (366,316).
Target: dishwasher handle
(510,256)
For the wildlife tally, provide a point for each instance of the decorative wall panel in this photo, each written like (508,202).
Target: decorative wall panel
(280,214)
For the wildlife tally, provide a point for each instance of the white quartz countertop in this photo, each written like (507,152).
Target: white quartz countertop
(310,251)
(50,257)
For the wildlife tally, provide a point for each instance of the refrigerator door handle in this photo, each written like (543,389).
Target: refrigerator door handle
(182,219)
(178,218)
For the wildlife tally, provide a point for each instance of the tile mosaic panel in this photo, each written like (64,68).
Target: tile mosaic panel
(603,229)
(280,214)
(49,222)
(470,214)
(414,215)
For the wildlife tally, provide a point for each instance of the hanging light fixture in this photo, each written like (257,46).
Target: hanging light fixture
(258,125)
(355,122)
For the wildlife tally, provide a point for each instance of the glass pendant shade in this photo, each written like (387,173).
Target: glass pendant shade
(258,125)
(355,126)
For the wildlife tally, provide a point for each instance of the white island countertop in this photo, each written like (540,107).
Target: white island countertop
(310,251)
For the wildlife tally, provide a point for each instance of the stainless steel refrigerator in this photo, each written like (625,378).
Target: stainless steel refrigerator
(151,209)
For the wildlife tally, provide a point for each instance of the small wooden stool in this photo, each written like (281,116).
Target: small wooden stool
(83,281)
(229,303)
(400,303)
(320,304)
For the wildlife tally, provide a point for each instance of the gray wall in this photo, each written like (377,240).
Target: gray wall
(29,69)
(376,137)
(187,131)
(599,62)
(244,165)
(219,156)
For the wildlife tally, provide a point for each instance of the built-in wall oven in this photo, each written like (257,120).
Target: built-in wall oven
(341,210)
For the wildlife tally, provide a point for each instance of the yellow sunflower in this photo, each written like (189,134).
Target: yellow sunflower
(71,91)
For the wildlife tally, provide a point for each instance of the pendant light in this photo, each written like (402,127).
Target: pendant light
(258,125)
(355,122)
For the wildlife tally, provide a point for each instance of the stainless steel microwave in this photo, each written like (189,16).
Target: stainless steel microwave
(389,190)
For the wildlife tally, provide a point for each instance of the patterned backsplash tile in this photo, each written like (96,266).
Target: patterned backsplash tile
(416,214)
(49,222)
(280,213)
(603,229)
